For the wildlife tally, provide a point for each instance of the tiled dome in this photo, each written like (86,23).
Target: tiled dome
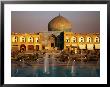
(59,23)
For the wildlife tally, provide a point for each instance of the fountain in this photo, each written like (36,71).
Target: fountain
(73,68)
(46,64)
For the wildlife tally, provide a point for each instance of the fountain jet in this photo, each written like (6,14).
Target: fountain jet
(46,64)
(73,68)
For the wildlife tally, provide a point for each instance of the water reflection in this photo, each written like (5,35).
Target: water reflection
(73,66)
(46,64)
(77,69)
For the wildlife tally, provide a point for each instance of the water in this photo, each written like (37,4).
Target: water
(23,63)
(46,64)
(73,70)
(76,70)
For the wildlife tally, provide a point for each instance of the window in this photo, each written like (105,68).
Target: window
(73,39)
(22,39)
(15,39)
(30,39)
(81,39)
(88,39)
(96,39)
(67,39)
(37,39)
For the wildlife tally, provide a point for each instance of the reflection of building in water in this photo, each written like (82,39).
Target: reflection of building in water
(59,36)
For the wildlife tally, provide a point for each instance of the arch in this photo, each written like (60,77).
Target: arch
(37,39)
(22,39)
(52,40)
(37,47)
(67,39)
(89,39)
(22,47)
(30,47)
(30,39)
(15,39)
(52,37)
(81,39)
(73,39)
(96,39)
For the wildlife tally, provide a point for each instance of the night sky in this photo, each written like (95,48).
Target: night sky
(37,21)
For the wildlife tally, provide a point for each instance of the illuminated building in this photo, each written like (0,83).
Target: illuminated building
(58,36)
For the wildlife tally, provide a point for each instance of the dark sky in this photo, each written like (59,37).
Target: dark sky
(37,21)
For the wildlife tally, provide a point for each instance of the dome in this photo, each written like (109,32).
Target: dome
(59,23)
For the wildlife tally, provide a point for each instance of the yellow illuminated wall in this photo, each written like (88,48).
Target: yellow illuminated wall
(33,41)
(27,39)
(88,41)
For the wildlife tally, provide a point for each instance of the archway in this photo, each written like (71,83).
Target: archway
(22,48)
(52,40)
(37,47)
(30,47)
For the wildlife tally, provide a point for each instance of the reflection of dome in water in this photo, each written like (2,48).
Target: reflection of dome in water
(59,23)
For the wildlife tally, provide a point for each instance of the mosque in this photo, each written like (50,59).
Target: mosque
(58,37)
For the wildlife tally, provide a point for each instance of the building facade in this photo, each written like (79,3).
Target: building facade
(59,36)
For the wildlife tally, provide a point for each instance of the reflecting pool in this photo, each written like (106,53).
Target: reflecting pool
(89,69)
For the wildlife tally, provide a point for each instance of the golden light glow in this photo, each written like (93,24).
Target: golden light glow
(47,40)
(59,23)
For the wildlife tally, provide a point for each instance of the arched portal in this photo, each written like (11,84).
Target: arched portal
(30,47)
(37,47)
(22,48)
(52,40)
